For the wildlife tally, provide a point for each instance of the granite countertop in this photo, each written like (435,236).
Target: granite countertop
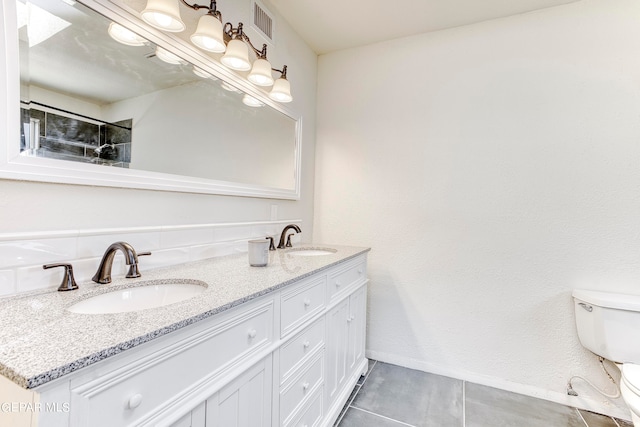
(40,340)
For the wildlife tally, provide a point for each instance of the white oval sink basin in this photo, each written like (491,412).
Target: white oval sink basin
(138,298)
(311,251)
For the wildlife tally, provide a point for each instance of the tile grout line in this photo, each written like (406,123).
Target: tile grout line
(464,404)
(382,416)
(375,362)
(581,417)
(359,387)
(348,404)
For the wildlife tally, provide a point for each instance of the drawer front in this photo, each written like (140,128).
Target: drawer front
(298,348)
(301,388)
(301,303)
(344,279)
(135,393)
(312,414)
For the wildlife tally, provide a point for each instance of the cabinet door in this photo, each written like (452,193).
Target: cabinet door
(337,348)
(195,418)
(246,401)
(357,328)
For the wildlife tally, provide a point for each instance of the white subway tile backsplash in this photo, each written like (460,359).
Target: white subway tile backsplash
(196,253)
(185,236)
(235,232)
(36,278)
(23,254)
(28,252)
(95,245)
(163,257)
(84,269)
(264,230)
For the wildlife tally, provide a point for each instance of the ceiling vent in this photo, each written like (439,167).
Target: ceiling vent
(263,21)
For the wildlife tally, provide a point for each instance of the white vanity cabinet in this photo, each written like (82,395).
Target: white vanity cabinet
(246,401)
(345,343)
(287,358)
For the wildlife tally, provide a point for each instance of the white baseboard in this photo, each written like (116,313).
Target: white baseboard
(500,383)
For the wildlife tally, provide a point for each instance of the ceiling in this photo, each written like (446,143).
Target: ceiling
(330,25)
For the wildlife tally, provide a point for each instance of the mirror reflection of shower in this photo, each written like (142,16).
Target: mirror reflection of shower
(105,95)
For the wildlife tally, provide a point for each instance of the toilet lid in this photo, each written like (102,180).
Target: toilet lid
(631,375)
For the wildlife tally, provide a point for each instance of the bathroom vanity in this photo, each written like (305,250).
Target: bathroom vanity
(281,345)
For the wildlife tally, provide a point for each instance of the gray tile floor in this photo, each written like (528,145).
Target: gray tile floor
(392,396)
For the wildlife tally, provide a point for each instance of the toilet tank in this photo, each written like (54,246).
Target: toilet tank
(609,324)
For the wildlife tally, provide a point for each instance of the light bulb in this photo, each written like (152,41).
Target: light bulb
(261,73)
(226,86)
(167,56)
(163,14)
(236,56)
(124,35)
(281,91)
(208,34)
(251,101)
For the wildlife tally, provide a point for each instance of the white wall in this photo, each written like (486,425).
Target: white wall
(30,207)
(492,168)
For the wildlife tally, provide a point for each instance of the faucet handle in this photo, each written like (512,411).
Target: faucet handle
(68,281)
(288,245)
(272,246)
(134,271)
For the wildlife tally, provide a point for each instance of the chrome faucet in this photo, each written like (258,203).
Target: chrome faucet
(281,244)
(103,275)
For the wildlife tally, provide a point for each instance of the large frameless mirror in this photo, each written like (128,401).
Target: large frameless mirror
(97,98)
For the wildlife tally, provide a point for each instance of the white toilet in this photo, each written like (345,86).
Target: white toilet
(609,325)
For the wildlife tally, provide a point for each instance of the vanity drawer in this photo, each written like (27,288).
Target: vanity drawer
(311,414)
(293,396)
(299,347)
(135,392)
(301,303)
(342,280)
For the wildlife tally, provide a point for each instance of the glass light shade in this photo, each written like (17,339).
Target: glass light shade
(163,14)
(201,73)
(226,86)
(281,91)
(208,35)
(237,56)
(167,56)
(261,73)
(124,35)
(251,101)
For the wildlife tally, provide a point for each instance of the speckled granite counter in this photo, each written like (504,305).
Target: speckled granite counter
(41,341)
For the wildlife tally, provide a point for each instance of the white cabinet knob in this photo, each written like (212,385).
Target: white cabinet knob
(338,283)
(360,271)
(306,344)
(306,302)
(305,385)
(252,333)
(135,401)
(350,318)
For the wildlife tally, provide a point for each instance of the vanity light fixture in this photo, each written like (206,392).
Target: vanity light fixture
(208,35)
(168,57)
(212,36)
(251,101)
(163,14)
(281,90)
(125,36)
(202,73)
(226,86)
